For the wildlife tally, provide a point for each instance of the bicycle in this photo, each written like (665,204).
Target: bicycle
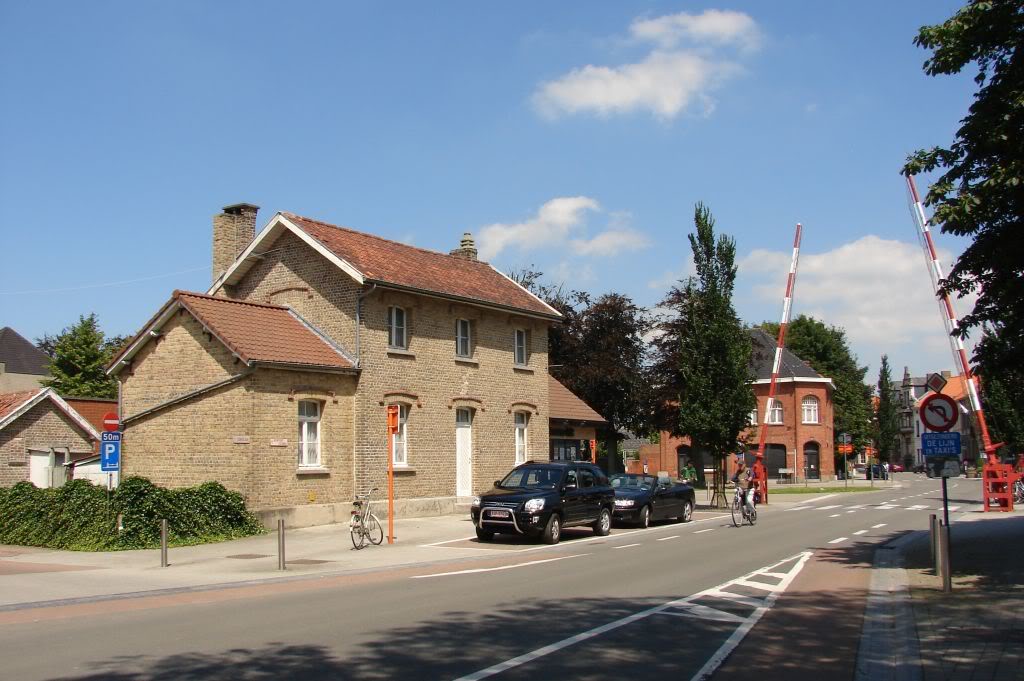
(364,524)
(1018,491)
(740,511)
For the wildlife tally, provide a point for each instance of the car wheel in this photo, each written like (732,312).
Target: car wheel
(603,524)
(553,530)
(484,535)
(645,516)
(687,512)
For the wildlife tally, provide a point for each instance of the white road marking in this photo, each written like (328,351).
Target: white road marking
(836,541)
(856,506)
(875,527)
(674,536)
(918,507)
(954,508)
(886,507)
(829,507)
(854,511)
(827,496)
(799,508)
(693,610)
(497,569)
(859,532)
(625,546)
(710,529)
(834,515)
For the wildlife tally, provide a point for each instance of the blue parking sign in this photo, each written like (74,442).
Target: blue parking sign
(110,452)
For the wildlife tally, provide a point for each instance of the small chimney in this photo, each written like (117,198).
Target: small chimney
(232,231)
(466,249)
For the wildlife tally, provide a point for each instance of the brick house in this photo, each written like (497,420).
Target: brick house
(572,424)
(800,437)
(276,381)
(39,434)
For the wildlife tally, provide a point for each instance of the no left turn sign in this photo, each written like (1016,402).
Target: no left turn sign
(939,412)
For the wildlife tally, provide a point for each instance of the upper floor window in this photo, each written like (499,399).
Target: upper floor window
(753,416)
(809,406)
(397,329)
(463,338)
(400,440)
(775,411)
(521,355)
(309,433)
(522,421)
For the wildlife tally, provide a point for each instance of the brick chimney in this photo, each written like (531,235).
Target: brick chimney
(466,249)
(233,229)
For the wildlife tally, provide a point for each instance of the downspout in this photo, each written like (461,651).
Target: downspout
(359,320)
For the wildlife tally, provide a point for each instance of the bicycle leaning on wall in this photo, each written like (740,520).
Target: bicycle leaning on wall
(364,525)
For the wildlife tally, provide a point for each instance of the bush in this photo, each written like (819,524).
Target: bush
(83,517)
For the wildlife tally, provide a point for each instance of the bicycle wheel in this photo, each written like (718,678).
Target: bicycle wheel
(358,534)
(752,516)
(737,512)
(374,531)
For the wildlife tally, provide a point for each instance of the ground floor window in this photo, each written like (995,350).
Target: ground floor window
(522,420)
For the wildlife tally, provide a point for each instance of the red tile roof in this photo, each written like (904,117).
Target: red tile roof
(9,402)
(563,404)
(389,262)
(262,333)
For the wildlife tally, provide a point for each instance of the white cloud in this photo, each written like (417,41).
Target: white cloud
(611,242)
(712,26)
(552,224)
(665,83)
(876,289)
(668,81)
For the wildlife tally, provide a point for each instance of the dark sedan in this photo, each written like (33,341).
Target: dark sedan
(640,499)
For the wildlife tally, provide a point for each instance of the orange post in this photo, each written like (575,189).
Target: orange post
(392,429)
(593,451)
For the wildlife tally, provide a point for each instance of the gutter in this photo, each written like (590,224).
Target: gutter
(187,396)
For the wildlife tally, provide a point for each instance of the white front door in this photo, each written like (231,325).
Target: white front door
(463,452)
(39,468)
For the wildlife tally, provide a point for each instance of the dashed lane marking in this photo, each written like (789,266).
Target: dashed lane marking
(840,539)
(625,546)
(674,536)
(835,515)
(875,527)
(829,507)
(887,507)
(710,529)
(859,532)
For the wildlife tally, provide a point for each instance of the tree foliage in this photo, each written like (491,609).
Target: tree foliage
(887,427)
(1001,393)
(78,359)
(713,353)
(827,351)
(980,193)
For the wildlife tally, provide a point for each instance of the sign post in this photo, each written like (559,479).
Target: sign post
(941,449)
(392,429)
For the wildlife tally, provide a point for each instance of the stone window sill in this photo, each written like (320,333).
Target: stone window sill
(313,471)
(523,368)
(401,352)
(467,360)
(404,469)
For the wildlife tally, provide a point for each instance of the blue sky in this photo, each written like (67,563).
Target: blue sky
(574,136)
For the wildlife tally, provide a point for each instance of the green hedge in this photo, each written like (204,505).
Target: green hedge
(83,517)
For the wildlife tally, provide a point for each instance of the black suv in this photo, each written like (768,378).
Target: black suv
(539,499)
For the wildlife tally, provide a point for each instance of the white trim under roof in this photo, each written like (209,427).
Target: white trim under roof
(61,404)
(278,224)
(797,379)
(525,290)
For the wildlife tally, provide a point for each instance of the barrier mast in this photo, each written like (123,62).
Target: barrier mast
(760,472)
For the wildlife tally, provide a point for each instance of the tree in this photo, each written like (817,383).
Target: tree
(826,350)
(715,393)
(981,191)
(887,427)
(1001,394)
(79,358)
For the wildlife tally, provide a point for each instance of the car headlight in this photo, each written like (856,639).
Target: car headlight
(476,502)
(623,503)
(533,505)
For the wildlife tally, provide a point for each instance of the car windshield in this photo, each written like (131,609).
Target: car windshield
(533,477)
(632,481)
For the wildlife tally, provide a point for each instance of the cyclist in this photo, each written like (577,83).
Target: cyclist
(744,479)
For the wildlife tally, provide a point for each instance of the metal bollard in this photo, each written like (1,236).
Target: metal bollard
(163,542)
(280,545)
(933,535)
(947,575)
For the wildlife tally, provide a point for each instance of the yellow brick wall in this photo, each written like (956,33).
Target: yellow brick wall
(40,428)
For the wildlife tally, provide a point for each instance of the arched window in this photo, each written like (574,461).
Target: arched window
(775,412)
(400,440)
(810,409)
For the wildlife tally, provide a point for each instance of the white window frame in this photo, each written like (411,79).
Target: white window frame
(809,409)
(521,421)
(400,440)
(463,340)
(309,424)
(394,328)
(516,347)
(753,416)
(775,408)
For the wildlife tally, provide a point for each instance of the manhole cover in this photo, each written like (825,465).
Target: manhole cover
(307,561)
(249,556)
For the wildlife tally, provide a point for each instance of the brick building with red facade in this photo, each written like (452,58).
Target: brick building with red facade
(799,444)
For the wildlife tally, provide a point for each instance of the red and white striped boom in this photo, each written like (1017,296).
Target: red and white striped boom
(949,316)
(787,307)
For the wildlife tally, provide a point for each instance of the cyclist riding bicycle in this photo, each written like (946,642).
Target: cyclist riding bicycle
(744,479)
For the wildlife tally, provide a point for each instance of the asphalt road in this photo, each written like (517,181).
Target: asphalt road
(673,600)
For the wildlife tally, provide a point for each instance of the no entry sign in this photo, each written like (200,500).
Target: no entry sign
(110,422)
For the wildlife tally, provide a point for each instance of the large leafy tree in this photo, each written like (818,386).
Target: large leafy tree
(980,193)
(825,348)
(78,360)
(887,427)
(1001,393)
(715,395)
